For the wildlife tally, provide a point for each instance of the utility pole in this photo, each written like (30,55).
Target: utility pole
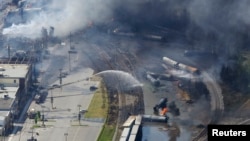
(65,134)
(43,116)
(69,63)
(52,100)
(71,52)
(79,114)
(32,131)
(79,106)
(70,40)
(8,47)
(60,76)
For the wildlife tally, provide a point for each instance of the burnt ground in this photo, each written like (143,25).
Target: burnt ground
(103,51)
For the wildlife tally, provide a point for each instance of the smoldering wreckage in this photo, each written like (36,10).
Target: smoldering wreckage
(187,77)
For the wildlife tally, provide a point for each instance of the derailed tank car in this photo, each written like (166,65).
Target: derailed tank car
(180,66)
(154,81)
(170,62)
(189,69)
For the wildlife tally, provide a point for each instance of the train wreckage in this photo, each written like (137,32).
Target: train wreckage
(181,66)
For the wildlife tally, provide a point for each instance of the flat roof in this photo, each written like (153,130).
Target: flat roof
(7,97)
(138,119)
(132,138)
(10,91)
(13,70)
(125,132)
(5,104)
(135,129)
(4,114)
(129,121)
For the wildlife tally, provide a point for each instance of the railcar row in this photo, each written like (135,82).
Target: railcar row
(181,66)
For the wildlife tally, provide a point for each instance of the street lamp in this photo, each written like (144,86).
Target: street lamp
(79,114)
(32,131)
(51,99)
(60,76)
(65,134)
(79,106)
(71,52)
(69,63)
(43,115)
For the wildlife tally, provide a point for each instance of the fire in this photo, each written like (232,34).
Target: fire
(164,111)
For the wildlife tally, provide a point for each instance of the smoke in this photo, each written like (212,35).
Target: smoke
(219,15)
(213,25)
(65,16)
(222,24)
(219,21)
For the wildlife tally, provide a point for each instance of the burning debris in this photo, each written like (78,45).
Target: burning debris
(162,108)
(56,18)
(162,105)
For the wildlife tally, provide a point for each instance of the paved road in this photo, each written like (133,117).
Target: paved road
(63,117)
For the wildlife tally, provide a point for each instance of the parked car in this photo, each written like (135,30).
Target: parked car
(40,98)
(92,88)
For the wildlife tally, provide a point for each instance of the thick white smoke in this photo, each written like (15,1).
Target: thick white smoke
(65,16)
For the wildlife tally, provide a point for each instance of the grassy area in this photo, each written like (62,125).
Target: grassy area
(107,133)
(98,107)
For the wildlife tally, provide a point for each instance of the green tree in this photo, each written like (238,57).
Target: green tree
(36,118)
(39,115)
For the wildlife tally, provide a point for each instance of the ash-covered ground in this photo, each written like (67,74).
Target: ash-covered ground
(132,37)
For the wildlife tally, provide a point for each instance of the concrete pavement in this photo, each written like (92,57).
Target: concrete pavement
(62,120)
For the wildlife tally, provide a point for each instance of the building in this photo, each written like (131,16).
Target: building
(16,75)
(15,82)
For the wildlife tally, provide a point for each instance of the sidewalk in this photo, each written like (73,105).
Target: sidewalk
(62,120)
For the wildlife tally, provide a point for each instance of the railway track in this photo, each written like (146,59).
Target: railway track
(111,55)
(217,104)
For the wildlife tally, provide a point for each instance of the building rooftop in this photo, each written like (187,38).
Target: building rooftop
(129,121)
(7,97)
(13,70)
(10,91)
(3,115)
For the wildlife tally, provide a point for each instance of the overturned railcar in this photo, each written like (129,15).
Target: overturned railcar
(189,69)
(181,66)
